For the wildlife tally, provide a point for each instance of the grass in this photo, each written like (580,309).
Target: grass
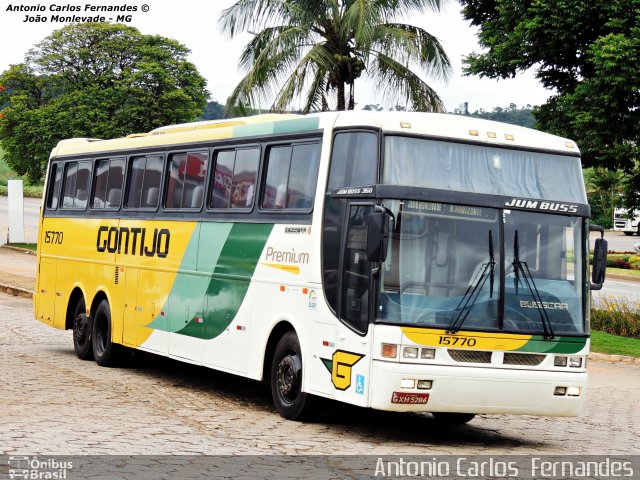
(26,246)
(6,174)
(602,342)
(624,271)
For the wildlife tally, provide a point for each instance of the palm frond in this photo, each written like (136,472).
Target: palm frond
(409,44)
(399,82)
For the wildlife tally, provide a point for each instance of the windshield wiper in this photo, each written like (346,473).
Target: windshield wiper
(473,291)
(519,266)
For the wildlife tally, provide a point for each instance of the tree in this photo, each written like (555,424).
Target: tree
(512,114)
(313,48)
(604,189)
(589,52)
(94,80)
(213,111)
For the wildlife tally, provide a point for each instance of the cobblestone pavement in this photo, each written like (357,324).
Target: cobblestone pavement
(51,403)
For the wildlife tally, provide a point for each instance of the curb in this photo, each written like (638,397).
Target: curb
(619,276)
(15,291)
(18,249)
(625,359)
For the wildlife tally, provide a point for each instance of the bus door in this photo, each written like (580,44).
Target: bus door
(352,359)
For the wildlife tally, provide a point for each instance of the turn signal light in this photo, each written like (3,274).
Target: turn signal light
(389,350)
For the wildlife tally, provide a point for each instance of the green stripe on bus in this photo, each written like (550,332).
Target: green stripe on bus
(230,281)
(566,345)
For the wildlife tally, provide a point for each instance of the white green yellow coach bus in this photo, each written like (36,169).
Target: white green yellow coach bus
(398,261)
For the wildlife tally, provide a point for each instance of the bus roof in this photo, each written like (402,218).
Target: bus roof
(450,127)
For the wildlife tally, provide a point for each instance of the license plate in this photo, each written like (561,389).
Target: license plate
(410,398)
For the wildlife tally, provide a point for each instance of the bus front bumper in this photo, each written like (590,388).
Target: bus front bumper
(476,390)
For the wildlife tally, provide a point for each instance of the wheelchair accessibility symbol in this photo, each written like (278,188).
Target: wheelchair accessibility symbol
(360,384)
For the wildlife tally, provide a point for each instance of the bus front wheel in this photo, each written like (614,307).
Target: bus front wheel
(286,378)
(105,351)
(82,331)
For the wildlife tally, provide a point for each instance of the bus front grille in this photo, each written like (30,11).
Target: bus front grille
(527,359)
(470,356)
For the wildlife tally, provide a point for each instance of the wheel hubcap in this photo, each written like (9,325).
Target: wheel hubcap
(81,328)
(289,377)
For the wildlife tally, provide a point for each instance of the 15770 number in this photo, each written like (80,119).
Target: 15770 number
(461,341)
(53,237)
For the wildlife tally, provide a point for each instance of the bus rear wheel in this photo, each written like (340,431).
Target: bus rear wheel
(286,379)
(448,418)
(106,353)
(82,331)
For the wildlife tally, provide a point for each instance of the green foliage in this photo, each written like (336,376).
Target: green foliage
(616,316)
(312,48)
(604,191)
(213,111)
(602,342)
(97,81)
(589,51)
(522,116)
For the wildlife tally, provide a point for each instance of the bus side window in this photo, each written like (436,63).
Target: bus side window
(355,282)
(107,189)
(76,184)
(55,179)
(235,174)
(144,182)
(354,159)
(185,182)
(292,173)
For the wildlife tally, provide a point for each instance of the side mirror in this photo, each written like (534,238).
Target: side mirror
(599,268)
(377,236)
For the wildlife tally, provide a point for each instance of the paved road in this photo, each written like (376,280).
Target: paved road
(628,291)
(54,404)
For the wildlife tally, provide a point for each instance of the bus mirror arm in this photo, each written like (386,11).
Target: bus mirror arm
(599,268)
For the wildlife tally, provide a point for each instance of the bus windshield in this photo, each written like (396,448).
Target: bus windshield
(460,167)
(477,268)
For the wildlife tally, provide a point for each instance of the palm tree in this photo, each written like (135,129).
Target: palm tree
(312,48)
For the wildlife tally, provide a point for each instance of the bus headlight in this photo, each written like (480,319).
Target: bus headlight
(408,383)
(427,353)
(575,362)
(410,352)
(425,384)
(560,361)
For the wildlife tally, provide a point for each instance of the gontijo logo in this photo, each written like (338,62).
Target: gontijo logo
(134,241)
(340,367)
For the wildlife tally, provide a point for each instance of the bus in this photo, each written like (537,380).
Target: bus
(629,224)
(401,261)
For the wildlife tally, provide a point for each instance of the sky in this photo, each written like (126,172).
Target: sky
(194,24)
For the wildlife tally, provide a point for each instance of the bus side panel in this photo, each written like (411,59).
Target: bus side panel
(74,253)
(46,294)
(151,253)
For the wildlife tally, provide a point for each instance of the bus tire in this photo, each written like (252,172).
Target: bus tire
(105,352)
(82,331)
(629,234)
(452,419)
(286,378)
